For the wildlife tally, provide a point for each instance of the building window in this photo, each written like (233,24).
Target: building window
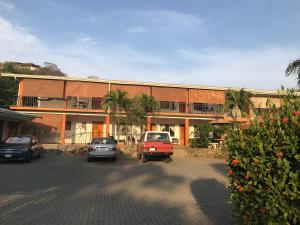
(164,105)
(69,125)
(168,128)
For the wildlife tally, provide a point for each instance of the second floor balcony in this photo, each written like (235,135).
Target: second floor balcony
(53,102)
(96,103)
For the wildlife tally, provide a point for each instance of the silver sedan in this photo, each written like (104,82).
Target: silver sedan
(102,148)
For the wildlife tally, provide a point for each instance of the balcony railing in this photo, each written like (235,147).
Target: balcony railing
(95,103)
(53,102)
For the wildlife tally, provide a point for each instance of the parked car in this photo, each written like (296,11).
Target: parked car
(155,144)
(102,148)
(21,148)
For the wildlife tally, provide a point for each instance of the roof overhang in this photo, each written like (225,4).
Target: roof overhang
(255,92)
(12,116)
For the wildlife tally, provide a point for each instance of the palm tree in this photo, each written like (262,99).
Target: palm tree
(294,68)
(238,102)
(145,104)
(115,103)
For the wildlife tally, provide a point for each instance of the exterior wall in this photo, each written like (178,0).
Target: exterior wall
(86,89)
(132,90)
(207,96)
(82,128)
(261,102)
(43,88)
(169,94)
(50,125)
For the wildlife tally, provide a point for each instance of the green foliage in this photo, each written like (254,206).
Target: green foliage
(237,101)
(294,68)
(264,163)
(8,91)
(201,135)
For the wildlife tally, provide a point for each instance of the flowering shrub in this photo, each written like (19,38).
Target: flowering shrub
(263,166)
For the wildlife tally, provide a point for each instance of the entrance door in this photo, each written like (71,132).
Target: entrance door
(97,129)
(182,134)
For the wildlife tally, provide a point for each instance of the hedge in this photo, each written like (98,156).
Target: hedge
(263,166)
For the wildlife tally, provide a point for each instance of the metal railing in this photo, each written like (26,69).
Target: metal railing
(54,102)
(96,103)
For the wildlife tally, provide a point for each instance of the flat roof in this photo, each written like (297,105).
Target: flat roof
(9,115)
(83,79)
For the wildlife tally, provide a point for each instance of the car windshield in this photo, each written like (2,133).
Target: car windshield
(18,140)
(103,141)
(158,137)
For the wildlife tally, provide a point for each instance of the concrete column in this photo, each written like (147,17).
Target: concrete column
(187,131)
(187,101)
(19,128)
(148,124)
(63,128)
(107,124)
(20,94)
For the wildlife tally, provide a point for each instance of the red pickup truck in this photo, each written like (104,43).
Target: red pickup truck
(155,144)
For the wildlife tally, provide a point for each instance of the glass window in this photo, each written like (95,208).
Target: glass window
(98,141)
(158,137)
(18,140)
(168,128)
(68,125)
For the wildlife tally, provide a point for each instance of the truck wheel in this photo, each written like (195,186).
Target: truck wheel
(144,158)
(138,155)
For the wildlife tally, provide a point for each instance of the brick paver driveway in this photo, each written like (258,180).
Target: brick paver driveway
(68,190)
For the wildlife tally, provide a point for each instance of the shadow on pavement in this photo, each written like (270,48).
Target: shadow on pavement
(221,168)
(212,197)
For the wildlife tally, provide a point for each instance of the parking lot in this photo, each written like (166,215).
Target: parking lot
(65,190)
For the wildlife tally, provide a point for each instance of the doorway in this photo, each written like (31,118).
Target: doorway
(182,134)
(97,129)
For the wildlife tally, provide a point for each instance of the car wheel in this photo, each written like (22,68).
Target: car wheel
(29,157)
(40,154)
(89,160)
(144,158)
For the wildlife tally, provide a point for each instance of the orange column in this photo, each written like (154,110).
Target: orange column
(63,128)
(20,94)
(187,131)
(107,124)
(148,126)
(187,101)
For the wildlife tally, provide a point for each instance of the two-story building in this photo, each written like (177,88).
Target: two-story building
(73,107)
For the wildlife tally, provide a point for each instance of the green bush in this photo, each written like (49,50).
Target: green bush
(264,163)
(201,134)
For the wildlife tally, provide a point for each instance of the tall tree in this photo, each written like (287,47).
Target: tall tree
(238,102)
(144,104)
(115,103)
(294,68)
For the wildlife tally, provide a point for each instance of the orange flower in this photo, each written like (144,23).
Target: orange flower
(234,162)
(241,189)
(295,113)
(284,120)
(229,171)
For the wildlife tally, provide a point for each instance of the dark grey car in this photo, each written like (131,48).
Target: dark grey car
(102,148)
(21,148)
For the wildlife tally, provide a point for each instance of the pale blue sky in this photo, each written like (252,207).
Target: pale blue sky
(221,43)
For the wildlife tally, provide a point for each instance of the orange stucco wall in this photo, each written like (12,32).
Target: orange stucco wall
(86,89)
(132,90)
(169,94)
(50,125)
(43,88)
(207,96)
